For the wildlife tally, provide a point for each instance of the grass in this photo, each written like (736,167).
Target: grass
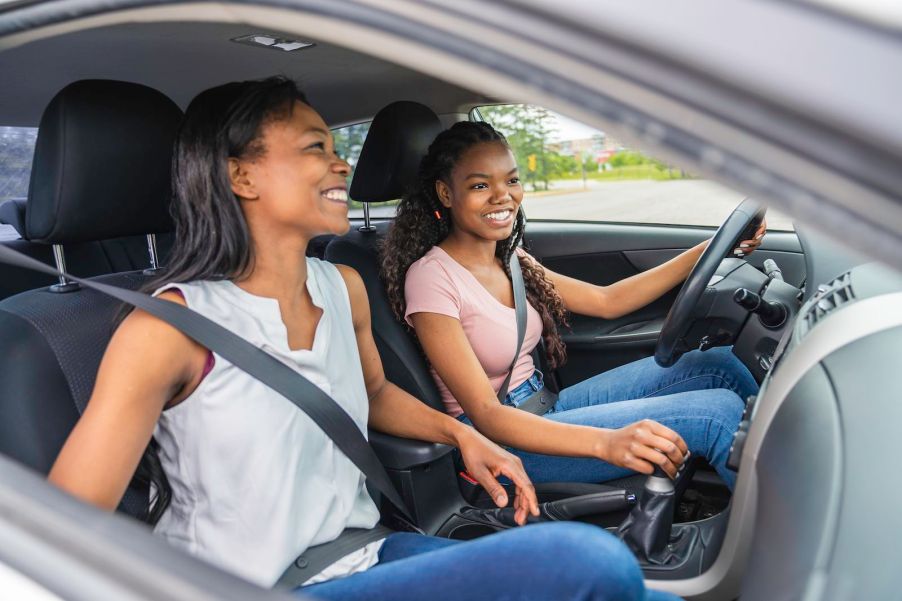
(628,172)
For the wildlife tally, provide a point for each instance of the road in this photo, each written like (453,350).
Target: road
(681,202)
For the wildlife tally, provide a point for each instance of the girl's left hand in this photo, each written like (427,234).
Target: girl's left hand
(747,247)
(485,462)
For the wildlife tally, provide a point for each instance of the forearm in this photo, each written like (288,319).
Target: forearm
(420,422)
(635,292)
(519,429)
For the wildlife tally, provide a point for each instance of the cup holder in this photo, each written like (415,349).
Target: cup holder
(469,531)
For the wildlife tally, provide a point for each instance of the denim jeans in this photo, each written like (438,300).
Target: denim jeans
(701,397)
(542,561)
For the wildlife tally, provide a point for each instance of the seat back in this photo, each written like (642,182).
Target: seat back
(106,146)
(397,141)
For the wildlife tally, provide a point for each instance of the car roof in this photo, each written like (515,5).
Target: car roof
(182,58)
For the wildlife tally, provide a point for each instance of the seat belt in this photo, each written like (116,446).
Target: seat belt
(320,407)
(542,400)
(520,309)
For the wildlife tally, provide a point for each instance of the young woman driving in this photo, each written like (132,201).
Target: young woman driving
(254,482)
(445,266)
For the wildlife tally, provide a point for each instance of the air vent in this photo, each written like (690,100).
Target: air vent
(828,298)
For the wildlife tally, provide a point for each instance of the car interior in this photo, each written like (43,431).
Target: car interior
(819,332)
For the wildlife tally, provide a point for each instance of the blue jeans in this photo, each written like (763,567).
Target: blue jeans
(542,561)
(701,397)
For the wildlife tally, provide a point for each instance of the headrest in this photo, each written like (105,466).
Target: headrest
(397,141)
(102,163)
(12,212)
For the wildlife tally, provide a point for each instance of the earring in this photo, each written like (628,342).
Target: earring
(438,215)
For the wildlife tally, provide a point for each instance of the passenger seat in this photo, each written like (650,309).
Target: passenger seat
(398,139)
(101,172)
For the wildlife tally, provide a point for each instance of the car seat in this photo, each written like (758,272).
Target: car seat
(398,138)
(101,171)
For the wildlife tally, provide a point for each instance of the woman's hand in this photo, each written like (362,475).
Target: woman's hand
(747,247)
(485,461)
(643,445)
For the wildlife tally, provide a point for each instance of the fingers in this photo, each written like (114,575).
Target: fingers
(654,444)
(526,492)
(491,486)
(748,246)
(654,457)
(668,434)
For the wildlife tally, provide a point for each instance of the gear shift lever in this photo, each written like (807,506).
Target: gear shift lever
(646,530)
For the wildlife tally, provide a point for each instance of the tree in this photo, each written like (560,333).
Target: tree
(527,129)
(349,141)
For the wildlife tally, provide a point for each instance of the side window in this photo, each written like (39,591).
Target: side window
(574,172)
(16,154)
(349,141)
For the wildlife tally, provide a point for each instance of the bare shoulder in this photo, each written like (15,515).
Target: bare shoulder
(147,336)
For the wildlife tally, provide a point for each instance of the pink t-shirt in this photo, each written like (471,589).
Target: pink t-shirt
(439,284)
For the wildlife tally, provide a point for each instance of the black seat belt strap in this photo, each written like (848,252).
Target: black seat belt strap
(322,409)
(520,309)
(316,559)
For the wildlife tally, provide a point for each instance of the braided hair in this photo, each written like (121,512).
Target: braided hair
(422,222)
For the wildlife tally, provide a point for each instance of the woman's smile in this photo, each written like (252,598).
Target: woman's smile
(499,218)
(338,194)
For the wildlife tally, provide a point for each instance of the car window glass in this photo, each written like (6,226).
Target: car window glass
(16,154)
(574,172)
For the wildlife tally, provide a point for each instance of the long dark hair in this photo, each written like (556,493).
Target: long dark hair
(417,228)
(212,240)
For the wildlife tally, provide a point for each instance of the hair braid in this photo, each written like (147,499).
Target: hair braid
(422,222)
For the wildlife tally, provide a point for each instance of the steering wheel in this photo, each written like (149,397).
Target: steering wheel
(671,346)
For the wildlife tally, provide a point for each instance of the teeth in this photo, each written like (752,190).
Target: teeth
(336,194)
(499,215)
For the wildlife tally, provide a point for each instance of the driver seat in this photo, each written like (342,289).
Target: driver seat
(398,138)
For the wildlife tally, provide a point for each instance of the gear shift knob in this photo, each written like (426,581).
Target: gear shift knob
(646,530)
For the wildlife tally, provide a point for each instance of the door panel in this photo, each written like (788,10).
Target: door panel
(603,253)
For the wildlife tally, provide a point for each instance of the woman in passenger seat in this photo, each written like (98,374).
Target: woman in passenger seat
(253,481)
(445,267)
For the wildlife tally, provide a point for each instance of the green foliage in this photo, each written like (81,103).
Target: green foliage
(349,141)
(527,129)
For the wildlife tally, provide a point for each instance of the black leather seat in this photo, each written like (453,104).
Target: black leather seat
(398,138)
(101,171)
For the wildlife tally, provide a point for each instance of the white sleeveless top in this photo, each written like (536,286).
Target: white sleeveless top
(254,480)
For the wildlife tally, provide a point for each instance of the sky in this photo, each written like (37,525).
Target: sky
(568,129)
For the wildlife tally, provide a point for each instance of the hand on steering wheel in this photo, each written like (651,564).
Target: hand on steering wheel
(747,247)
(726,243)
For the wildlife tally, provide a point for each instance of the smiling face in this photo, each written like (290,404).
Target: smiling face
(297,183)
(484,192)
